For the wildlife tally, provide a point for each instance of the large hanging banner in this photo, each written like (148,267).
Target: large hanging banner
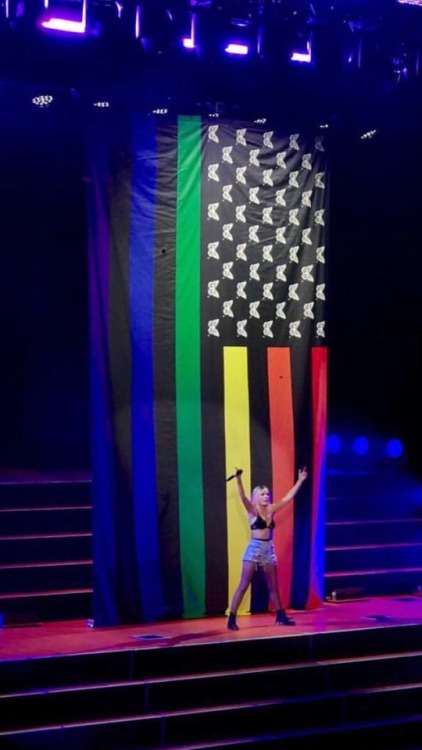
(208,350)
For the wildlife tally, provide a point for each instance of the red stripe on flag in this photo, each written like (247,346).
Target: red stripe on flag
(319,359)
(282,459)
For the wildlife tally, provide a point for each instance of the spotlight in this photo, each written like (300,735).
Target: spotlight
(368,135)
(302,56)
(234,48)
(65,19)
(361,445)
(42,101)
(394,448)
(190,41)
(333,444)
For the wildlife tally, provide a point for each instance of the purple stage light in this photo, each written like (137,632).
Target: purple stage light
(394,448)
(361,445)
(302,57)
(189,42)
(334,444)
(233,48)
(65,23)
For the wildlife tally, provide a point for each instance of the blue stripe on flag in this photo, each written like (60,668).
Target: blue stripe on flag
(141,296)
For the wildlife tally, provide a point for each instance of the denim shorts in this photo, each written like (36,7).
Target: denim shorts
(261,552)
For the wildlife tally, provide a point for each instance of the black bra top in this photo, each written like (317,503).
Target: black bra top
(259,523)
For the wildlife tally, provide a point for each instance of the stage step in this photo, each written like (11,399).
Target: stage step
(45,550)
(44,493)
(373,533)
(45,606)
(300,687)
(379,531)
(380,493)
(58,547)
(16,521)
(370,582)
(376,556)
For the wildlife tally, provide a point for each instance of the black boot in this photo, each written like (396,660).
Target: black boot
(231,622)
(282,618)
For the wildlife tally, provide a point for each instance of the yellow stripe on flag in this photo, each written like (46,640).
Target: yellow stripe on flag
(237,438)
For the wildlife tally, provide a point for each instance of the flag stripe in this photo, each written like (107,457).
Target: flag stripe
(164,358)
(319,392)
(141,277)
(237,435)
(283,460)
(302,415)
(120,353)
(103,469)
(260,449)
(213,443)
(188,386)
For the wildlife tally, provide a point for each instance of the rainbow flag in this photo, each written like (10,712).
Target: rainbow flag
(208,352)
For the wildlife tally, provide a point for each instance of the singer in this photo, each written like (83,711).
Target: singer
(260,551)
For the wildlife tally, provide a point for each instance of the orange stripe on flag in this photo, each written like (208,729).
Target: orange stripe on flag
(282,459)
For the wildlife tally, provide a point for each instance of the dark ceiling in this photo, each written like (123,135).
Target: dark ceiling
(365,68)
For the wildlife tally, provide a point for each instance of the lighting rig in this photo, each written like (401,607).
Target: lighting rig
(253,49)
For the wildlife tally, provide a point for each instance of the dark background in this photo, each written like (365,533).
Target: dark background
(374,252)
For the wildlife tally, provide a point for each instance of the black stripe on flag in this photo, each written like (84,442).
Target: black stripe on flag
(127,584)
(164,368)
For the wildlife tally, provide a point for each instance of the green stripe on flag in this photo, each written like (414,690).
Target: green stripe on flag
(188,370)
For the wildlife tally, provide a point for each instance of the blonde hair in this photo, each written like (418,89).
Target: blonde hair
(256,490)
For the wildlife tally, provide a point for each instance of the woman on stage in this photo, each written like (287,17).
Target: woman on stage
(260,552)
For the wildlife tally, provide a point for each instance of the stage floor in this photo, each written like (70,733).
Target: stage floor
(79,637)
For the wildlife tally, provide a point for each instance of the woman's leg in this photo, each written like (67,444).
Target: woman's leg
(271,577)
(272,583)
(247,573)
(248,570)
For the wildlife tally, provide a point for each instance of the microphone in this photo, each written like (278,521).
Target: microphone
(237,473)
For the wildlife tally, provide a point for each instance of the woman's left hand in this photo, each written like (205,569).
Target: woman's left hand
(303,473)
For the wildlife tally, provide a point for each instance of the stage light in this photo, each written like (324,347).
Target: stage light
(394,448)
(333,444)
(138,18)
(68,20)
(361,445)
(190,41)
(302,57)
(43,100)
(233,48)
(368,135)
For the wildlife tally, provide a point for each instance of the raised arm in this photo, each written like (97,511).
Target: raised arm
(303,473)
(241,492)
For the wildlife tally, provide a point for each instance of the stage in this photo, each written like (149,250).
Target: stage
(347,670)
(80,637)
